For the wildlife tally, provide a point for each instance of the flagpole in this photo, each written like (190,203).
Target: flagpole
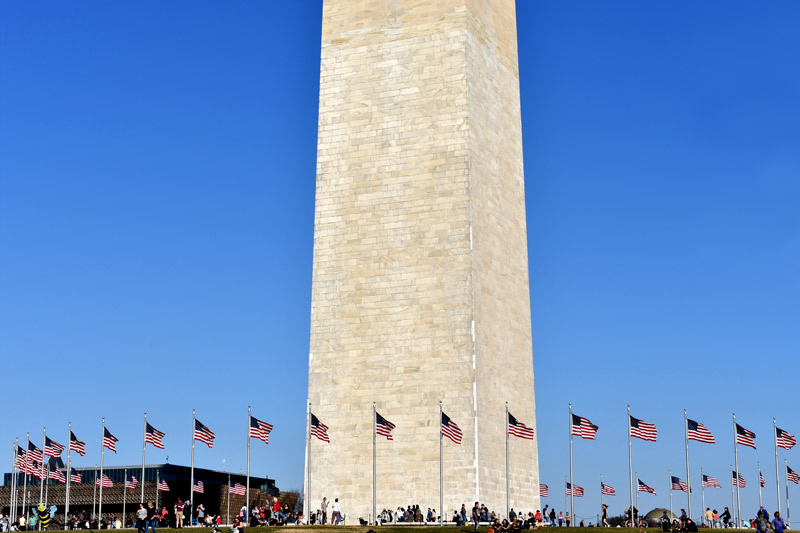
(158,482)
(25,483)
(601,491)
(441,466)
(69,474)
(247,498)
(102,453)
(94,498)
(306,498)
(777,472)
(47,488)
(786,474)
(41,469)
(13,482)
(571,479)
(702,496)
(124,497)
(508,501)
(760,504)
(736,461)
(374,432)
(637,498)
(688,477)
(630,465)
(670,494)
(191,482)
(733,501)
(566,482)
(144,449)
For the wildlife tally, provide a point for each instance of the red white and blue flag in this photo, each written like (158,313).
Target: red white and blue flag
(109,441)
(711,481)
(642,430)
(318,429)
(52,448)
(583,427)
(260,430)
(162,486)
(238,489)
(643,487)
(75,476)
(783,439)
(679,484)
(738,479)
(104,481)
(57,474)
(544,491)
(76,446)
(518,429)
(577,491)
(792,476)
(34,453)
(383,427)
(130,482)
(745,437)
(760,479)
(154,436)
(198,487)
(697,431)
(203,434)
(608,490)
(450,429)
(20,458)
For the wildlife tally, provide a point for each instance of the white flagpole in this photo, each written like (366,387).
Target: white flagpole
(228,517)
(508,501)
(374,433)
(566,482)
(102,448)
(41,470)
(69,474)
(94,498)
(670,493)
(441,465)
(571,479)
(47,488)
(158,482)
(191,482)
(736,462)
(637,499)
(144,450)
(786,475)
(247,498)
(124,497)
(733,501)
(688,477)
(777,472)
(703,497)
(307,498)
(760,504)
(630,465)
(601,491)
(25,483)
(11,510)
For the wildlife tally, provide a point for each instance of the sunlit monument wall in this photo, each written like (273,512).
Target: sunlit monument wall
(420,277)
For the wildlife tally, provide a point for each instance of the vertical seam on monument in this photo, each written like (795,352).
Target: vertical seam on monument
(471,265)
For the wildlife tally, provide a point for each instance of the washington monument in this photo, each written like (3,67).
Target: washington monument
(420,276)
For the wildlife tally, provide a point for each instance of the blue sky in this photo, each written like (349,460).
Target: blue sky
(157,166)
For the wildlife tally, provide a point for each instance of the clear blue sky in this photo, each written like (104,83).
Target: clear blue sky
(157,166)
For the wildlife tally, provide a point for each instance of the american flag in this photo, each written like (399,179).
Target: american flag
(109,440)
(711,481)
(644,488)
(198,487)
(238,489)
(130,482)
(153,436)
(383,426)
(583,427)
(34,453)
(760,478)
(450,429)
(33,468)
(697,431)
(783,439)
(679,484)
(737,479)
(745,437)
(20,458)
(57,474)
(607,490)
(543,491)
(318,429)
(76,446)
(104,481)
(162,486)
(52,448)
(791,475)
(577,492)
(75,476)
(203,434)
(259,430)
(518,429)
(641,429)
